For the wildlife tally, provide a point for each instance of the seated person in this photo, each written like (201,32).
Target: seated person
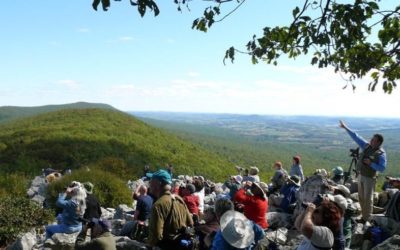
(338,175)
(279,178)
(101,238)
(254,203)
(211,225)
(73,203)
(319,225)
(289,194)
(237,232)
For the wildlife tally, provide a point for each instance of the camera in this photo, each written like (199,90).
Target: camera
(355,152)
(317,201)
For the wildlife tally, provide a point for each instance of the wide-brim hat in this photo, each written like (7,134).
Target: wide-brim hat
(161,175)
(254,170)
(236,229)
(88,187)
(238,178)
(261,186)
(295,180)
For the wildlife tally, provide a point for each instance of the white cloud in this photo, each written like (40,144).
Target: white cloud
(70,84)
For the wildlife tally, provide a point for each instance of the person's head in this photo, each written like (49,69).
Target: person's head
(209,214)
(221,206)
(327,214)
(159,183)
(376,141)
(278,165)
(254,170)
(98,227)
(191,188)
(338,171)
(142,190)
(296,159)
(88,187)
(199,185)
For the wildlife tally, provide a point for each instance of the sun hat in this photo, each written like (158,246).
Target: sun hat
(295,180)
(261,186)
(343,189)
(238,178)
(161,175)
(254,170)
(339,200)
(338,170)
(88,187)
(322,172)
(236,229)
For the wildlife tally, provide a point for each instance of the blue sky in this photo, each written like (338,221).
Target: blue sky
(55,52)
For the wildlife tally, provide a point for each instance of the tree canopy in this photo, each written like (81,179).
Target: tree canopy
(358,38)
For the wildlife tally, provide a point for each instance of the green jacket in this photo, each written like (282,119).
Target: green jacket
(169,215)
(105,241)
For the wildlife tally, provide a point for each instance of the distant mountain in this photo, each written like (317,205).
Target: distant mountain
(8,113)
(98,138)
(262,139)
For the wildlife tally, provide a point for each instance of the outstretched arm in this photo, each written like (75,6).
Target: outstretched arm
(361,142)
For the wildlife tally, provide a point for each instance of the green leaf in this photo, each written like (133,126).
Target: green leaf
(295,12)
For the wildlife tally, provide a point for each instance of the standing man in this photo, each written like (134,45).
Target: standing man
(169,215)
(371,159)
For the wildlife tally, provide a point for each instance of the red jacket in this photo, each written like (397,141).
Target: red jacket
(192,202)
(255,208)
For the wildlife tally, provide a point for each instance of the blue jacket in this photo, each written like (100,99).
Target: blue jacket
(69,214)
(289,196)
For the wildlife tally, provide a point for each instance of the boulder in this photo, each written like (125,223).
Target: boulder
(61,241)
(278,220)
(107,213)
(24,242)
(121,211)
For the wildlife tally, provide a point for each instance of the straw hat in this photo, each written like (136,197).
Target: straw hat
(236,229)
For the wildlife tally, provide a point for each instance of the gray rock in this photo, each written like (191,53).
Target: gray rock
(107,213)
(61,241)
(24,242)
(38,199)
(121,211)
(124,243)
(277,219)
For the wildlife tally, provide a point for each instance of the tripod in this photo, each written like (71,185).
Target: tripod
(353,164)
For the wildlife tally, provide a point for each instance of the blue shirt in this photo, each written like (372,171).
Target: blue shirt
(362,143)
(296,169)
(219,243)
(289,196)
(69,214)
(144,204)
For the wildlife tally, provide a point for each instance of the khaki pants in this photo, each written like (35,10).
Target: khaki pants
(366,189)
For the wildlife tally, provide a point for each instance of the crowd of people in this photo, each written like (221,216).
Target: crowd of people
(190,212)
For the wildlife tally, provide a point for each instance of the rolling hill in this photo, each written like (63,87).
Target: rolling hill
(9,113)
(97,138)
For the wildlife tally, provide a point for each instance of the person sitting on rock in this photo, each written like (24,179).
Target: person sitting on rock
(288,193)
(93,208)
(338,175)
(101,237)
(210,225)
(254,202)
(319,225)
(192,202)
(73,203)
(234,184)
(279,178)
(236,231)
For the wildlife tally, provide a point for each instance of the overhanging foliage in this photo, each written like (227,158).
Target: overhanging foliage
(358,38)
